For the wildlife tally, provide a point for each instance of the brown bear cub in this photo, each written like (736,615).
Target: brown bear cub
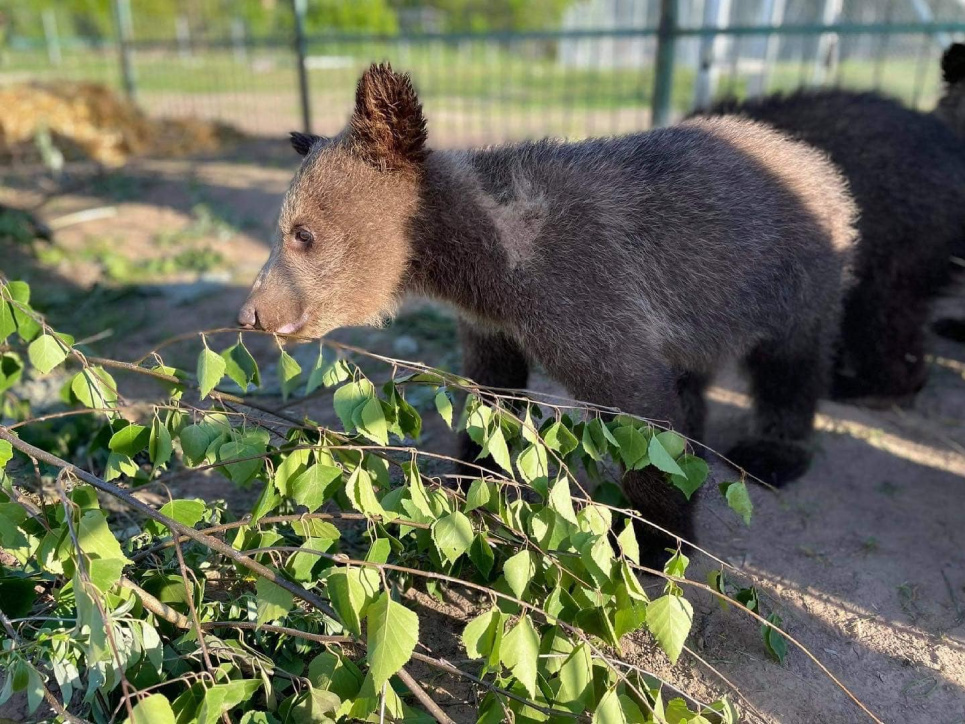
(907,172)
(629,268)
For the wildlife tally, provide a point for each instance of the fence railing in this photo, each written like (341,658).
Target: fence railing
(480,88)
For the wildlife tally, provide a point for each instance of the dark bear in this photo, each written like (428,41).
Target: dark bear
(951,106)
(629,267)
(906,171)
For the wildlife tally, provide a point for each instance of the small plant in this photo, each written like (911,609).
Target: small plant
(305,609)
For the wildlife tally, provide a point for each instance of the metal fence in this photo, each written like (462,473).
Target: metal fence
(600,73)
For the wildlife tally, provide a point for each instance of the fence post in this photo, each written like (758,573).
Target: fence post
(182,30)
(122,17)
(664,67)
(828,45)
(238,40)
(52,37)
(299,6)
(712,48)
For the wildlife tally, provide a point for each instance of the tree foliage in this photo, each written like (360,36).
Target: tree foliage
(306,608)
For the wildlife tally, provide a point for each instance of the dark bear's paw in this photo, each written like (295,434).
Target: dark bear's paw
(953,329)
(654,544)
(776,462)
(845,388)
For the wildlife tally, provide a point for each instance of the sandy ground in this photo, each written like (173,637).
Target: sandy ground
(864,558)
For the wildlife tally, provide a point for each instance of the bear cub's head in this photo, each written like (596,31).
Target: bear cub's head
(342,246)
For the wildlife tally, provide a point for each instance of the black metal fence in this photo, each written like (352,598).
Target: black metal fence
(485,87)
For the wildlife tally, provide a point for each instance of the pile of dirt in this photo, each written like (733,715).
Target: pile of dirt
(88,121)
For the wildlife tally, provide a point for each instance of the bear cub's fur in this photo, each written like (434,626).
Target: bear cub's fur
(906,170)
(629,267)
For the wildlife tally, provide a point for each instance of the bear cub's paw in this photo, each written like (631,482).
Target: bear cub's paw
(776,462)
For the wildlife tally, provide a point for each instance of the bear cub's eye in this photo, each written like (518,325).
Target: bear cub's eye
(304,237)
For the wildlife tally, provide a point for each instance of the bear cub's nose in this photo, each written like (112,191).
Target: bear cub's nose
(248,317)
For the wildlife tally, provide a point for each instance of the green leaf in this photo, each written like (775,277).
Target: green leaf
(532,463)
(361,493)
(672,442)
(335,673)
(372,422)
(417,491)
(94,388)
(350,397)
(519,571)
(211,368)
(482,555)
(695,474)
(633,445)
(315,486)
(130,440)
(628,543)
(483,635)
(11,370)
(274,602)
(561,501)
(7,325)
(327,373)
(314,706)
(576,679)
(6,453)
(669,619)
(155,709)
(496,448)
(597,557)
(479,495)
(160,446)
(520,653)
(661,458)
(452,535)
(17,595)
(558,437)
(774,641)
(45,353)
(118,465)
(444,406)
(351,591)
(392,633)
(240,366)
(186,512)
(738,499)
(676,565)
(246,452)
(289,372)
(594,444)
(609,710)
(222,698)
(96,539)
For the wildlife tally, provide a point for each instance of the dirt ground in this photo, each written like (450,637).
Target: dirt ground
(864,558)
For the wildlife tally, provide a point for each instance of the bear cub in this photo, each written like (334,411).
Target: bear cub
(629,268)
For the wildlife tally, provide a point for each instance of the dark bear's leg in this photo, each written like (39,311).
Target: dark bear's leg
(883,343)
(654,395)
(691,387)
(493,360)
(787,378)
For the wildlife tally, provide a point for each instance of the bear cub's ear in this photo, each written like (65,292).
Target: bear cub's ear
(387,126)
(303,142)
(953,63)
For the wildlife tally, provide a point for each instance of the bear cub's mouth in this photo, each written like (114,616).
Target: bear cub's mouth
(293,327)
